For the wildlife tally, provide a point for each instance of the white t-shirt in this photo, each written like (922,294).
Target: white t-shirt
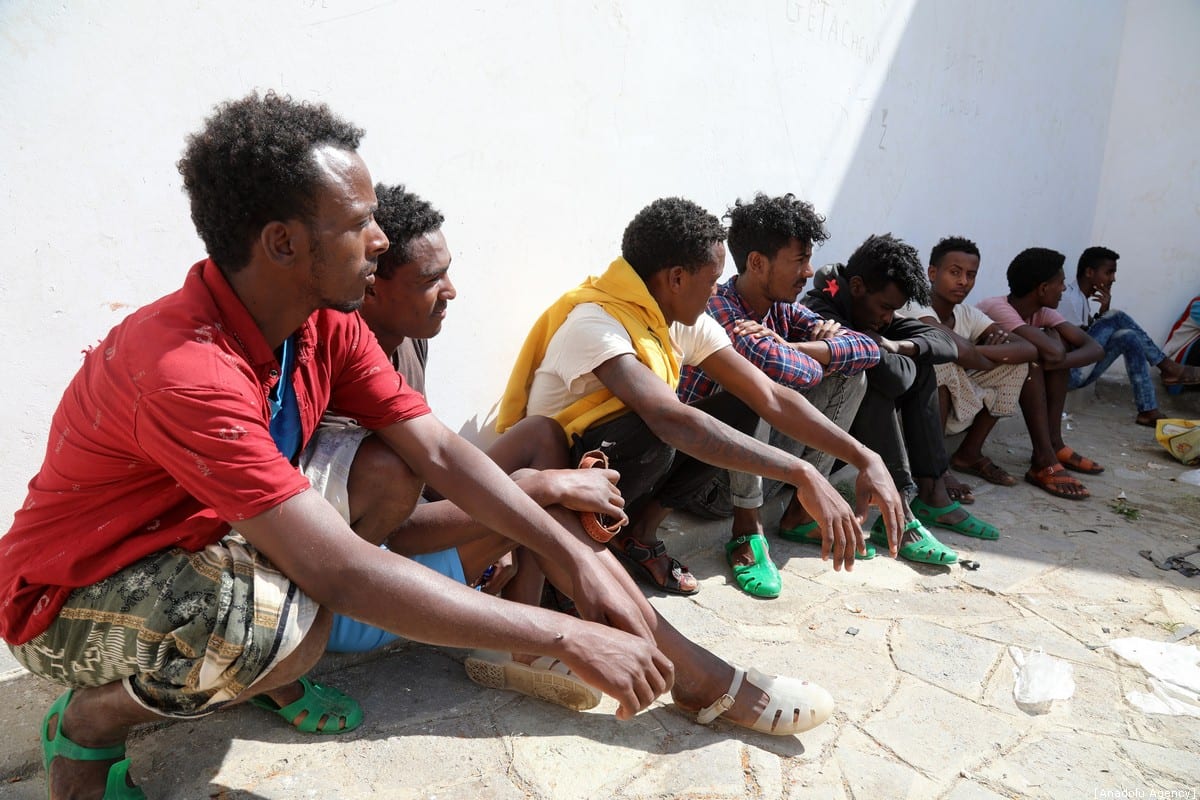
(590,336)
(1074,307)
(969,321)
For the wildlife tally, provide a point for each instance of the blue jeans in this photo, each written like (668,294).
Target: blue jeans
(1119,335)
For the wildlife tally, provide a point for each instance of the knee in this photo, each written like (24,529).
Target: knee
(1126,342)
(381,484)
(542,443)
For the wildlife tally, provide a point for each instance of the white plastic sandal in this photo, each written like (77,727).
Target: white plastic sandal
(793,706)
(546,679)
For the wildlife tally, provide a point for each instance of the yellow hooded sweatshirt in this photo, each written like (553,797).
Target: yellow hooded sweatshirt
(623,294)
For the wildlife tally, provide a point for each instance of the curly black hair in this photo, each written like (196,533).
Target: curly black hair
(1032,267)
(670,232)
(952,244)
(403,216)
(884,259)
(1093,257)
(252,163)
(768,223)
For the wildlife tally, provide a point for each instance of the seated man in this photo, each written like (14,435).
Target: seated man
(604,362)
(122,578)
(1036,285)
(899,416)
(1118,334)
(984,382)
(1182,340)
(771,240)
(404,308)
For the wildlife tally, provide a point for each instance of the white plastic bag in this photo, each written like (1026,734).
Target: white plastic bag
(1175,671)
(1040,679)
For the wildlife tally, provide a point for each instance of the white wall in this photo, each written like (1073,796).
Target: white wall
(1148,207)
(540,128)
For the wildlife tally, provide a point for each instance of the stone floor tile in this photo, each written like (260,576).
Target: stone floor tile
(938,732)
(870,771)
(952,660)
(1058,763)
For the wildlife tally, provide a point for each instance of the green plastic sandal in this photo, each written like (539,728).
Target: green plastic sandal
(116,787)
(804,534)
(969,526)
(760,579)
(325,706)
(927,550)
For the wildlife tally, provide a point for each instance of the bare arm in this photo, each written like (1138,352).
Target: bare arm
(311,544)
(993,347)
(441,524)
(1083,349)
(708,440)
(473,482)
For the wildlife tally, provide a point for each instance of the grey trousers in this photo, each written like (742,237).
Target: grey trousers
(838,398)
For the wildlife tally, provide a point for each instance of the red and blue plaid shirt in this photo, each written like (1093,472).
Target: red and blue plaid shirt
(850,352)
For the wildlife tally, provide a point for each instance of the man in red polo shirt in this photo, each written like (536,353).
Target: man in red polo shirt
(121,576)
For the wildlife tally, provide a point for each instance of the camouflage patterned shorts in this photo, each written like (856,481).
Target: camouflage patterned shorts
(186,632)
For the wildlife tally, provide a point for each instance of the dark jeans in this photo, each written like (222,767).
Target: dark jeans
(905,429)
(650,468)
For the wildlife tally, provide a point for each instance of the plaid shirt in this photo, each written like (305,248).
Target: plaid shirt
(850,352)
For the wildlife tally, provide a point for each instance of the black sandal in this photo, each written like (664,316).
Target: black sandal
(635,556)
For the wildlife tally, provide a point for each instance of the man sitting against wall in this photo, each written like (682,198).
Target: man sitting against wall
(771,240)
(1036,283)
(605,359)
(1086,304)
(899,416)
(983,383)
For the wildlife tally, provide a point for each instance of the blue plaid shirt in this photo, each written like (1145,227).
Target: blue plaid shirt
(850,352)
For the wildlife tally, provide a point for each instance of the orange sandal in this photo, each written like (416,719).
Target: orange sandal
(1051,479)
(1073,461)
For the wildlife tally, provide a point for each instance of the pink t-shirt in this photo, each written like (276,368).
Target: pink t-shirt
(1007,317)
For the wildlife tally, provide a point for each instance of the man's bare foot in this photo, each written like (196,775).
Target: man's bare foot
(650,562)
(958,491)
(745,522)
(1176,374)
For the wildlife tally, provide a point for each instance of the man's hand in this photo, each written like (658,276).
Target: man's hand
(841,531)
(756,330)
(629,669)
(994,337)
(875,487)
(599,598)
(825,329)
(496,576)
(1103,296)
(586,490)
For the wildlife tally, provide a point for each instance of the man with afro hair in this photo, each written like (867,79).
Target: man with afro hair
(771,240)
(899,417)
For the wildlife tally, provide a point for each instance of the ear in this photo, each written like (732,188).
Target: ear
(932,272)
(675,277)
(282,242)
(756,262)
(857,287)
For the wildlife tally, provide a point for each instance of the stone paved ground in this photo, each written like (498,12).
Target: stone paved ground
(924,689)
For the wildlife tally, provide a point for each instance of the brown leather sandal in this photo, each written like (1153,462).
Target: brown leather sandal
(1051,479)
(600,527)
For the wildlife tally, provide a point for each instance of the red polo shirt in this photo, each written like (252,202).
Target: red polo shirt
(162,439)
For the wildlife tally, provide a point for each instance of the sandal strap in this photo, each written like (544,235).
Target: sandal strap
(642,552)
(724,702)
(60,745)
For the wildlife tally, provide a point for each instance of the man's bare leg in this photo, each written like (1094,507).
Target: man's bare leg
(103,716)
